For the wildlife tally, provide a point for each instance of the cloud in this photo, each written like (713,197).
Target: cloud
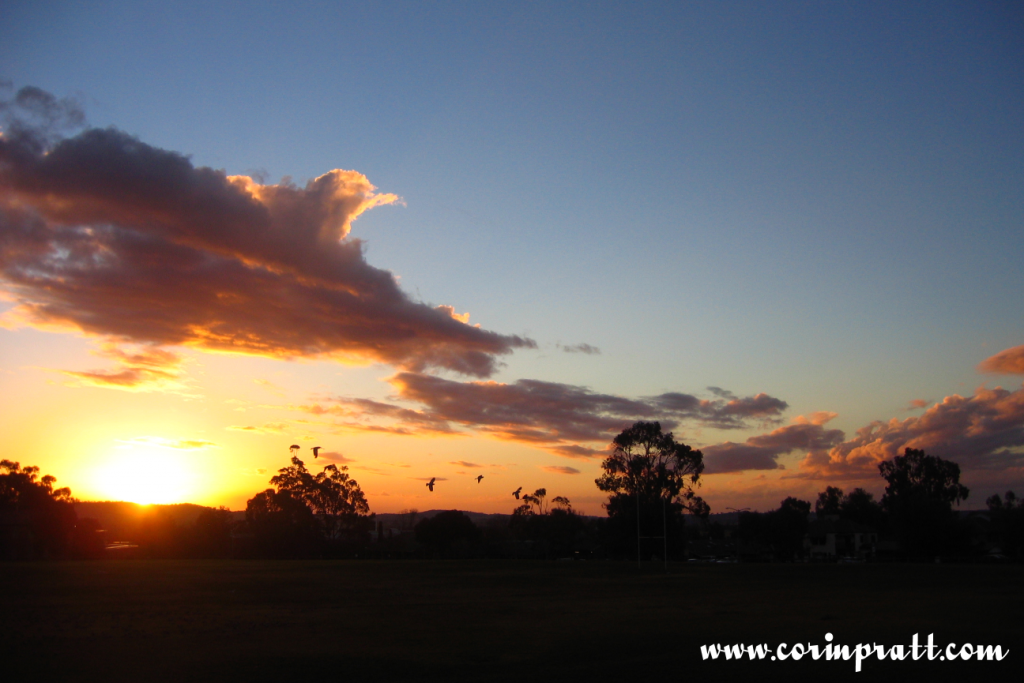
(363,409)
(917,404)
(581,348)
(267,428)
(334,457)
(463,463)
(37,119)
(559,418)
(143,369)
(980,432)
(269,386)
(1007,362)
(762,452)
(983,433)
(559,469)
(184,444)
(106,235)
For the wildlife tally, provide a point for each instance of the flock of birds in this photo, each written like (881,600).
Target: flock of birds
(430,484)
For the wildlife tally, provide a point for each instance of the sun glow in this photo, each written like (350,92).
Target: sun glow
(144,474)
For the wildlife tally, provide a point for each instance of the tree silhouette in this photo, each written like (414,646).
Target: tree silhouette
(652,475)
(332,495)
(535,499)
(859,506)
(829,501)
(553,530)
(448,533)
(38,520)
(211,533)
(1007,514)
(919,496)
(779,533)
(789,525)
(282,524)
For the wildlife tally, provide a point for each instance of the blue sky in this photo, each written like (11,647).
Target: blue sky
(818,201)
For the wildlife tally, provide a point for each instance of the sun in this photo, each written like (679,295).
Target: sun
(146,475)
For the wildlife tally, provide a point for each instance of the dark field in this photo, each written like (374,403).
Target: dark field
(484,621)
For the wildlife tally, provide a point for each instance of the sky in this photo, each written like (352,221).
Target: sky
(440,240)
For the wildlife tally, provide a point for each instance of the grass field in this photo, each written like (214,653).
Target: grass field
(489,621)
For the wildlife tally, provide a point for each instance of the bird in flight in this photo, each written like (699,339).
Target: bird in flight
(316,451)
(516,492)
(479,477)
(430,484)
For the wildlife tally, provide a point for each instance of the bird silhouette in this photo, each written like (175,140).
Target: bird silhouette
(516,492)
(316,451)
(479,477)
(430,484)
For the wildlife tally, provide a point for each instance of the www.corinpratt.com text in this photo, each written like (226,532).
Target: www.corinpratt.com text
(858,653)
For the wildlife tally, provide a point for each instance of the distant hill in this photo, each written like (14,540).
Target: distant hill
(121,519)
(408,520)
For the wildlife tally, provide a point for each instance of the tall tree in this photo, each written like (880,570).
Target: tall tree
(331,494)
(919,496)
(652,475)
(829,501)
(789,526)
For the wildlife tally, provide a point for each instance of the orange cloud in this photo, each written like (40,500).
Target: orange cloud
(1007,362)
(762,452)
(104,234)
(980,432)
(143,370)
(560,469)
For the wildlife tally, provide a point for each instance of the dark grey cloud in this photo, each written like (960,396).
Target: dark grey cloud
(762,452)
(581,348)
(104,234)
(560,418)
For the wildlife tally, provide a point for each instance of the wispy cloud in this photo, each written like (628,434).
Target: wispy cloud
(269,386)
(141,369)
(265,428)
(335,457)
(177,444)
(104,234)
(563,419)
(1007,362)
(581,348)
(463,463)
(560,469)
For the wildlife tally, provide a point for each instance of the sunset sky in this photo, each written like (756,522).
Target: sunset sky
(451,239)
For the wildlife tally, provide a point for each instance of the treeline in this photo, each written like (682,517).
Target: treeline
(915,519)
(652,514)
